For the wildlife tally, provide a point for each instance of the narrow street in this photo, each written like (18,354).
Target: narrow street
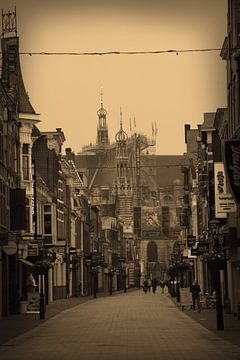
(130,326)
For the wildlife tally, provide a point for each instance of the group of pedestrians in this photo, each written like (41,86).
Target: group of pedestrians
(195,290)
(149,284)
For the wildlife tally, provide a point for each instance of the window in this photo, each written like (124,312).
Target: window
(47,220)
(25,161)
(165,220)
(47,223)
(152,252)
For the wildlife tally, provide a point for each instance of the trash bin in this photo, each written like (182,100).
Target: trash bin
(23,307)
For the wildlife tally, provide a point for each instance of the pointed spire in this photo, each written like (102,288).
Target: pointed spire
(155,129)
(121,135)
(130,125)
(134,122)
(101,96)
(101,112)
(120,117)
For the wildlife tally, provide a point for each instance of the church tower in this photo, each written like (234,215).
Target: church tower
(123,182)
(102,130)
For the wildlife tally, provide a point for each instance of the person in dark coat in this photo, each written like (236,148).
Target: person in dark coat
(195,290)
(154,285)
(149,284)
(145,286)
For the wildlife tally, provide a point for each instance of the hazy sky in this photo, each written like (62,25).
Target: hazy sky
(167,88)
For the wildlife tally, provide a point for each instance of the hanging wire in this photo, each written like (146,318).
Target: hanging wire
(114,52)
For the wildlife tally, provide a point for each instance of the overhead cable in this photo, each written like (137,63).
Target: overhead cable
(115,52)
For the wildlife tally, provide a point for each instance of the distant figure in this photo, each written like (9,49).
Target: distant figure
(195,290)
(145,286)
(149,284)
(162,284)
(154,285)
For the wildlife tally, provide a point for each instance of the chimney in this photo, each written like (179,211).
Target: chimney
(187,128)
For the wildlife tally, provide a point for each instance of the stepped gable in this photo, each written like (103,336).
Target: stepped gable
(12,75)
(168,169)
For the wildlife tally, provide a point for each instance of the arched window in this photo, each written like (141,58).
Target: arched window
(152,253)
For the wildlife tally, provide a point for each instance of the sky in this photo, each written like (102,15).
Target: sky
(167,89)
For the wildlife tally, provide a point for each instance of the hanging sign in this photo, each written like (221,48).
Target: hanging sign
(224,202)
(191,240)
(232,166)
(203,248)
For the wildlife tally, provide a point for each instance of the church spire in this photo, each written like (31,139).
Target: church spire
(101,97)
(120,117)
(121,136)
(102,131)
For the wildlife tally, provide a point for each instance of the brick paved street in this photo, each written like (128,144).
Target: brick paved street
(131,326)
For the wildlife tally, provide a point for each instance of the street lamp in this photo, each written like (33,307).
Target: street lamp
(214,225)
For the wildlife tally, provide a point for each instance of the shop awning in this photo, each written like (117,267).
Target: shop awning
(26,262)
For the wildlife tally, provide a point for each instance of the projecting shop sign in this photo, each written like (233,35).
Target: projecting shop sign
(232,166)
(224,202)
(191,240)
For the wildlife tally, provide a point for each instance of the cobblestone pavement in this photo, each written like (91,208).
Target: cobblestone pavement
(132,326)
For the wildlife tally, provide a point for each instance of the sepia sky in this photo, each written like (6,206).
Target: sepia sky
(168,89)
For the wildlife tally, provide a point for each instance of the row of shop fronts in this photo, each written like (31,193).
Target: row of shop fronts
(210,237)
(210,217)
(52,242)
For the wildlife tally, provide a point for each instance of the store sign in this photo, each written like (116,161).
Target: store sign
(203,248)
(191,240)
(32,302)
(232,166)
(194,252)
(33,250)
(131,278)
(224,202)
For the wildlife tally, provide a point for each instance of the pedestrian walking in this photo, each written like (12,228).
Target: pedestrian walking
(145,286)
(162,284)
(195,290)
(149,284)
(154,285)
